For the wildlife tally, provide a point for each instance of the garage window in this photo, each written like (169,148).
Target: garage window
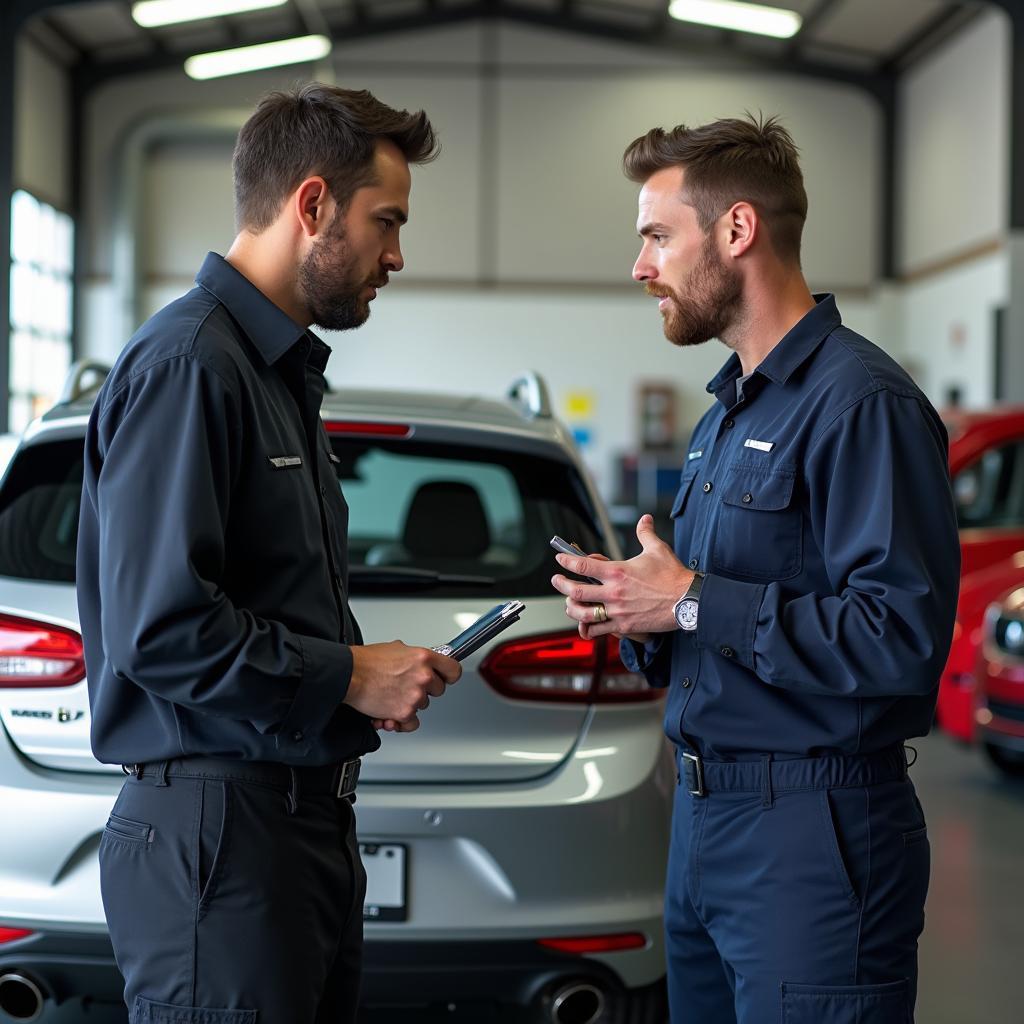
(42,249)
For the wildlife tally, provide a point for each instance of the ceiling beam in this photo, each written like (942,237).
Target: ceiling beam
(91,73)
(811,21)
(932,34)
(586,25)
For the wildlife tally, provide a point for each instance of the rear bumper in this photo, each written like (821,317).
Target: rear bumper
(396,975)
(580,851)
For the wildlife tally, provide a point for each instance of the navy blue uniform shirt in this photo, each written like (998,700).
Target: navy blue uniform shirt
(820,507)
(212,558)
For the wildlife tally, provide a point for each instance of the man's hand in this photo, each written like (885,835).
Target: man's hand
(392,682)
(638,595)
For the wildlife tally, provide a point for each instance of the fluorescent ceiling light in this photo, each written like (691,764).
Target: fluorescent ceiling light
(738,16)
(151,13)
(252,58)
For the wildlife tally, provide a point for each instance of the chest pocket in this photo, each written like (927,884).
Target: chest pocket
(759,532)
(679,505)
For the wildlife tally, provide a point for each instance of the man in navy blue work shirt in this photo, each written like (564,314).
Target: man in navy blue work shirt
(804,617)
(226,672)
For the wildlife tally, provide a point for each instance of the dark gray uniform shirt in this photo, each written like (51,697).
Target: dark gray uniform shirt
(212,559)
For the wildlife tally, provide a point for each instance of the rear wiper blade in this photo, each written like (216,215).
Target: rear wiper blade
(386,577)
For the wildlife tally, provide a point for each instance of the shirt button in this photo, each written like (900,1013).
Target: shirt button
(693,563)
(727,652)
(707,487)
(747,498)
(686,682)
(297,737)
(729,424)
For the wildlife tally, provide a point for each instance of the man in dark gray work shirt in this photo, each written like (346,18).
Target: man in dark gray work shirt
(802,619)
(226,672)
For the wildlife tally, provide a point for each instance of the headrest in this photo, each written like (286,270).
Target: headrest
(446,519)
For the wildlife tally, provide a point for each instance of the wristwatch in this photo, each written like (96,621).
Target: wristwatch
(685,609)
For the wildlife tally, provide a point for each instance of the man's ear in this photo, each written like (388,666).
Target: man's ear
(310,203)
(744,226)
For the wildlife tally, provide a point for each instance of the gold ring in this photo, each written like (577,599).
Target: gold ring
(600,614)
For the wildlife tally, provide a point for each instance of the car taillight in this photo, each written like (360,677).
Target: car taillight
(13,934)
(597,943)
(564,667)
(38,654)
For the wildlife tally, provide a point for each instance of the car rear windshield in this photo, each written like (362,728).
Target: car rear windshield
(479,518)
(431,518)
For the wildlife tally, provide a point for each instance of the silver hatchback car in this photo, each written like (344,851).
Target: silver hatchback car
(515,845)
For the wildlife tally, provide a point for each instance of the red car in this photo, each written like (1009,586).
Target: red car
(986,461)
(1000,701)
(958,685)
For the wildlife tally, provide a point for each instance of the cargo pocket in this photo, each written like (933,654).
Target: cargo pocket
(846,1004)
(145,1011)
(759,532)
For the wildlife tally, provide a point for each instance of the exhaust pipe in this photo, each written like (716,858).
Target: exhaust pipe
(578,1002)
(21,998)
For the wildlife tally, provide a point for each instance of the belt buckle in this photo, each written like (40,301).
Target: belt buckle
(696,787)
(348,777)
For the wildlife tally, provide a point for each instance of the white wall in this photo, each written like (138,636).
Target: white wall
(522,236)
(41,126)
(953,150)
(948,328)
(952,202)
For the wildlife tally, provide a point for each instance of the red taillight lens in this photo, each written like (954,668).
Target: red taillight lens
(13,934)
(368,429)
(38,654)
(564,667)
(596,943)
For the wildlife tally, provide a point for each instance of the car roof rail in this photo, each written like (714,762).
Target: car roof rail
(530,391)
(74,383)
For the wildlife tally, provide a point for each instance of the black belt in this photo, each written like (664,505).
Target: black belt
(337,780)
(768,775)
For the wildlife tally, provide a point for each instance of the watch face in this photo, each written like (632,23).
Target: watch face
(686,615)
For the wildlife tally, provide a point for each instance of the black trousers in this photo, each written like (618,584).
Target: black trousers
(224,907)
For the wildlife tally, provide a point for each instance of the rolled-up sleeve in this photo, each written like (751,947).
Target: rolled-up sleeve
(883,516)
(168,448)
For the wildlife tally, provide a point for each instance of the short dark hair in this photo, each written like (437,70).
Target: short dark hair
(728,161)
(318,129)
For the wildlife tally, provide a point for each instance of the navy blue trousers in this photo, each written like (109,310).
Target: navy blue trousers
(225,908)
(797,898)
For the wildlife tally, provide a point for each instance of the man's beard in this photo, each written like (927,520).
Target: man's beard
(707,304)
(331,285)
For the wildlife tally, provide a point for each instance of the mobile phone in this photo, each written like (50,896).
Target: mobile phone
(485,629)
(565,547)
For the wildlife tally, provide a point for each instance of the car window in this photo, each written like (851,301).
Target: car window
(456,509)
(990,491)
(445,509)
(39,505)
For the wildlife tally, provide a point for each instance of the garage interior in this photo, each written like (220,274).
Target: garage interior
(910,121)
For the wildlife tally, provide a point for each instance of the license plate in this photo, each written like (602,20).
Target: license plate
(385,865)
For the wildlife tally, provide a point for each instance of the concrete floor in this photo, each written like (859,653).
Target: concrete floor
(972,953)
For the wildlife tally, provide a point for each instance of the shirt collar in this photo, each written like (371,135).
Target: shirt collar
(792,351)
(267,326)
